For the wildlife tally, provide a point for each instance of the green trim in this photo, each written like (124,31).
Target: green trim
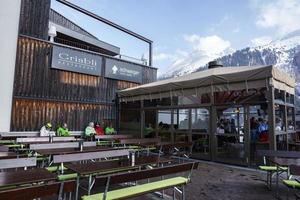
(65,177)
(115,170)
(291,183)
(41,158)
(55,168)
(8,187)
(272,168)
(7,141)
(139,189)
(14,145)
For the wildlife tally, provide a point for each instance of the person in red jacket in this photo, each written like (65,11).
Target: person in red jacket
(99,130)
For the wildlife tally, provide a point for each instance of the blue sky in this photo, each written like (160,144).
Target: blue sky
(190,32)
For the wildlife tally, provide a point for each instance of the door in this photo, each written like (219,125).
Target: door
(229,141)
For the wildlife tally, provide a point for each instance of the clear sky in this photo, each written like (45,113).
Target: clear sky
(183,29)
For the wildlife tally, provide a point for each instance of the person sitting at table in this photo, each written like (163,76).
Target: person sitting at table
(45,130)
(90,131)
(263,130)
(149,131)
(110,130)
(99,130)
(254,129)
(63,130)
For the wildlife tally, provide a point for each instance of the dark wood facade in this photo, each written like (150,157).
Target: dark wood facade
(34,18)
(42,94)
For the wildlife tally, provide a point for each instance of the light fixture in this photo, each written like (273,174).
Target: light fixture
(52,33)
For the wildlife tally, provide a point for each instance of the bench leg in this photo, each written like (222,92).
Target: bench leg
(183,192)
(174,194)
(77,187)
(163,191)
(90,184)
(61,191)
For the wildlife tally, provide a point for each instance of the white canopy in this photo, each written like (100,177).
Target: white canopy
(213,80)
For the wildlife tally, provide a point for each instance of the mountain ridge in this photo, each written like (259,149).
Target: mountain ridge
(283,53)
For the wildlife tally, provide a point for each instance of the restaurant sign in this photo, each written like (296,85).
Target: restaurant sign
(116,69)
(76,61)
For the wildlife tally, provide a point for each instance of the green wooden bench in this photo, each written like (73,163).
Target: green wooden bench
(138,190)
(271,168)
(292,183)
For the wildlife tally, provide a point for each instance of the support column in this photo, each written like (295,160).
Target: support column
(247,137)
(142,123)
(271,119)
(9,21)
(285,120)
(213,128)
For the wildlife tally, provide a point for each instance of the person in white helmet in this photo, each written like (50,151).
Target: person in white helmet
(45,130)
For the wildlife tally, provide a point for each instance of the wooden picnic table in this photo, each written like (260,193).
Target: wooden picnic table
(285,162)
(140,141)
(25,177)
(295,146)
(92,168)
(43,142)
(48,152)
(4,148)
(6,154)
(112,137)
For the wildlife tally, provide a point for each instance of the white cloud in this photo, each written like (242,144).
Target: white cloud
(260,41)
(162,56)
(284,15)
(226,18)
(236,30)
(208,45)
(204,49)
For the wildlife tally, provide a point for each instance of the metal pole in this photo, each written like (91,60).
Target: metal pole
(112,24)
(150,53)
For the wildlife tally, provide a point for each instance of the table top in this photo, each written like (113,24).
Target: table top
(294,143)
(285,161)
(62,151)
(95,167)
(7,153)
(45,142)
(25,176)
(176,144)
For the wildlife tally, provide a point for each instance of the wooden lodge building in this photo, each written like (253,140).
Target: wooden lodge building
(72,79)
(55,71)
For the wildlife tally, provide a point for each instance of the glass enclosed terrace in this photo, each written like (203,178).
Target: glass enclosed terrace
(227,113)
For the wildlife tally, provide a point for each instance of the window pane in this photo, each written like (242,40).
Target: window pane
(200,120)
(291,118)
(181,119)
(130,122)
(279,118)
(279,95)
(164,125)
(157,102)
(150,123)
(192,99)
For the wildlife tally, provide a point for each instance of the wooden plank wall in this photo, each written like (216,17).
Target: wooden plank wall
(42,94)
(34,18)
(30,114)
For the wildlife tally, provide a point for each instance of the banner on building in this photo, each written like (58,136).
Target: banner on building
(121,70)
(76,61)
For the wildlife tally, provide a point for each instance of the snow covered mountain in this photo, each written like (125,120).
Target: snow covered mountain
(283,53)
